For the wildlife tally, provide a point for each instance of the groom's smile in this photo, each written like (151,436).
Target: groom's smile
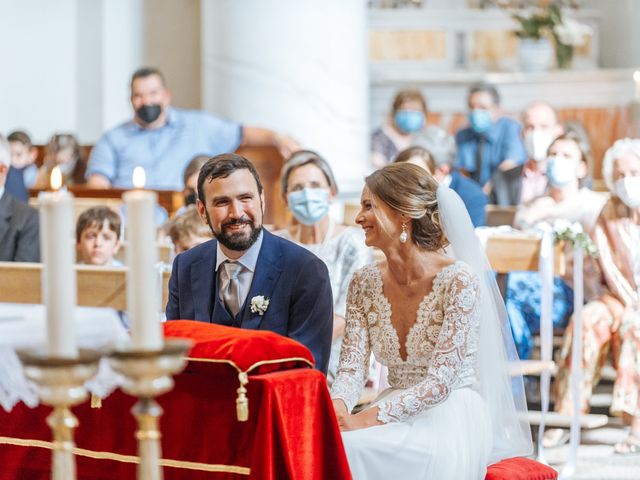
(233,210)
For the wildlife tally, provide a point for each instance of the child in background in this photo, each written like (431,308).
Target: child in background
(23,156)
(63,150)
(188,230)
(98,237)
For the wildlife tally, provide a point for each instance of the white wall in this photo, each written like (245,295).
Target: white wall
(67,65)
(38,79)
(293,66)
(620,35)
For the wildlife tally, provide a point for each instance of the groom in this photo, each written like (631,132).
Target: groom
(247,277)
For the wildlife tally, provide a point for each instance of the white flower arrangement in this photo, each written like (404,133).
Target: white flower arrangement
(564,230)
(259,304)
(572,33)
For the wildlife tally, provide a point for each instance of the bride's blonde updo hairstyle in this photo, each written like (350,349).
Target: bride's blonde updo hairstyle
(411,190)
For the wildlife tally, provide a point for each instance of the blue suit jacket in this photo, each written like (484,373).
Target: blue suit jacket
(295,281)
(472,196)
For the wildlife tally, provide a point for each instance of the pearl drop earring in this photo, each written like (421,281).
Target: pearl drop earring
(404,236)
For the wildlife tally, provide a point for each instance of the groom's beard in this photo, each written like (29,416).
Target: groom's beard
(237,241)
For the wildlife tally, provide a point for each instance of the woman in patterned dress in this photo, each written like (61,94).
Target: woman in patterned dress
(612,321)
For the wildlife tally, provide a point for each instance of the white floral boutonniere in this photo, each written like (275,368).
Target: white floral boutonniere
(259,304)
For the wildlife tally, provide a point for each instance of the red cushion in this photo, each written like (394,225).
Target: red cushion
(255,351)
(520,469)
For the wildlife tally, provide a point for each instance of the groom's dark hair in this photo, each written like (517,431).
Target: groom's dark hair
(223,165)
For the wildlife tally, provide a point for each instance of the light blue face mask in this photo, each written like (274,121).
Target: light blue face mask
(480,120)
(409,121)
(561,171)
(309,205)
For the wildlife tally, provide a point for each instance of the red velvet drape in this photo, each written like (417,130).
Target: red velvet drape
(291,432)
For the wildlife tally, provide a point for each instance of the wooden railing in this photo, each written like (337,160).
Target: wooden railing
(97,286)
(267,161)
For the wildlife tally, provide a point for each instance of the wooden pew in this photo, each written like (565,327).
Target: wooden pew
(86,198)
(267,160)
(519,252)
(165,252)
(97,286)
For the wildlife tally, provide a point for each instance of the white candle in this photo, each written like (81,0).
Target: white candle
(142,287)
(58,273)
(636,79)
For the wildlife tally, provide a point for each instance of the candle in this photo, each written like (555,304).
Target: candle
(58,274)
(142,287)
(636,79)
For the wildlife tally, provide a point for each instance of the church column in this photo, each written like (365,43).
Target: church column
(299,67)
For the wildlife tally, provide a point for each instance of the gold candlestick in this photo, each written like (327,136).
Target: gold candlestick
(60,383)
(148,373)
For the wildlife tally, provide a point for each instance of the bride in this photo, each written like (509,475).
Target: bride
(439,325)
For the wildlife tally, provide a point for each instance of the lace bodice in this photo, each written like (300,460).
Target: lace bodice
(441,345)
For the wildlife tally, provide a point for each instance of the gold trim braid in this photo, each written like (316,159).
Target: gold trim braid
(203,467)
(242,402)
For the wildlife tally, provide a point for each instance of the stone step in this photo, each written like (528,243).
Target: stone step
(558,420)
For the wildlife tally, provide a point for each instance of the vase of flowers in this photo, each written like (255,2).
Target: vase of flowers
(551,24)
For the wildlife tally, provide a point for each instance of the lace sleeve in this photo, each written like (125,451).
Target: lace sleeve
(457,337)
(353,369)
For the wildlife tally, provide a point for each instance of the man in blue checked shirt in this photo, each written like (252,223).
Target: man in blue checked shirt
(163,139)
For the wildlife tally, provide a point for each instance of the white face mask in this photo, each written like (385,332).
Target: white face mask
(537,142)
(628,190)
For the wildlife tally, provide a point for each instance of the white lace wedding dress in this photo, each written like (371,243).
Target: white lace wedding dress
(436,424)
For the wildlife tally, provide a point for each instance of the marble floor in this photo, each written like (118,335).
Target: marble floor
(596,458)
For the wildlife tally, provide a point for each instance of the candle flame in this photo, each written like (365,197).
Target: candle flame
(56,178)
(636,76)
(139,177)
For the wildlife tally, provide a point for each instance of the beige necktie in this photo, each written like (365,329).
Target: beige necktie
(230,286)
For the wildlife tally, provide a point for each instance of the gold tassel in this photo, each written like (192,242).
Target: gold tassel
(242,402)
(96,402)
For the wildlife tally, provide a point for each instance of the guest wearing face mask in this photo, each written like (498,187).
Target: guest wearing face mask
(437,159)
(63,151)
(540,128)
(565,200)
(408,120)
(308,187)
(612,322)
(490,148)
(162,138)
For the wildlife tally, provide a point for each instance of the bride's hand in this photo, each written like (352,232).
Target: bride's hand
(341,412)
(365,419)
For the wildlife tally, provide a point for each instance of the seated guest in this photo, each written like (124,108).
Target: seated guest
(162,139)
(308,187)
(565,200)
(612,321)
(470,192)
(16,183)
(23,156)
(490,148)
(97,242)
(63,150)
(188,230)
(190,179)
(407,121)
(19,227)
(540,126)
(248,277)
(98,237)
